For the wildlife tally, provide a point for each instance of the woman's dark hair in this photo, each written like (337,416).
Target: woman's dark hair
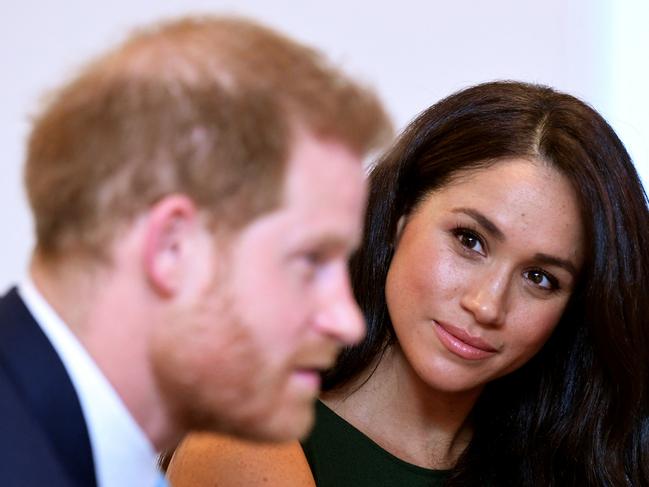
(577,413)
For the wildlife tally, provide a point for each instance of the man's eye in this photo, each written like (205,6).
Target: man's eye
(542,279)
(469,240)
(313,258)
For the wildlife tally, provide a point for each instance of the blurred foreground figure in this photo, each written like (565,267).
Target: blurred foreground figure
(196,195)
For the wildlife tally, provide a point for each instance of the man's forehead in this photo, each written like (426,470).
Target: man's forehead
(307,147)
(322,169)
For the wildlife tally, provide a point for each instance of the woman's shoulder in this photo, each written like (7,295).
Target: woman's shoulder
(341,455)
(209,459)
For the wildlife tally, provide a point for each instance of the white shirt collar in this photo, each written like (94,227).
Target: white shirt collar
(122,453)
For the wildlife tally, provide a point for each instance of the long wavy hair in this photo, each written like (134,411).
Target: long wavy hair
(577,413)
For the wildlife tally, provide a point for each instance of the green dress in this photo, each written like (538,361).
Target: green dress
(341,456)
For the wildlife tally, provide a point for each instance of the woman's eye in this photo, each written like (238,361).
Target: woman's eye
(542,279)
(469,240)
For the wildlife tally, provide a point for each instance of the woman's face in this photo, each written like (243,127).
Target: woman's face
(482,272)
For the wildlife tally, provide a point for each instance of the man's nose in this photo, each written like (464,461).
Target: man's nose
(339,315)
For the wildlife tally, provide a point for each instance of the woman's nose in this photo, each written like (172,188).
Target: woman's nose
(485,298)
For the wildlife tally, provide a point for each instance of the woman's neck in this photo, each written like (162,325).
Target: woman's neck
(404,415)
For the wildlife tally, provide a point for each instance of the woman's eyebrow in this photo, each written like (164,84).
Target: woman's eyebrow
(493,229)
(556,261)
(483,221)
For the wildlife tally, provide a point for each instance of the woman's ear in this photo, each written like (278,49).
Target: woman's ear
(171,225)
(401,223)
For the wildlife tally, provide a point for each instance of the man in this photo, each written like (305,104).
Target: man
(196,194)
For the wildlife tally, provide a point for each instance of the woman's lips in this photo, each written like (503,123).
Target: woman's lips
(460,343)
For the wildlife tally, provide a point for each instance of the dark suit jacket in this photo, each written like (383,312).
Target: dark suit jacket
(43,436)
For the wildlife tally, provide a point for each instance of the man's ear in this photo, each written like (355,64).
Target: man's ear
(171,225)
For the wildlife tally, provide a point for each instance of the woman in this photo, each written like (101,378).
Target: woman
(505,281)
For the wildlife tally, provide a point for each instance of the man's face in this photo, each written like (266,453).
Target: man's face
(274,306)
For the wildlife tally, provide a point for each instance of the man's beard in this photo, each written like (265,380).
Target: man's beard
(217,388)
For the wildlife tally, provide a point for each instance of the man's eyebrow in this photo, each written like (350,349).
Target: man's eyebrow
(485,222)
(331,243)
(556,261)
